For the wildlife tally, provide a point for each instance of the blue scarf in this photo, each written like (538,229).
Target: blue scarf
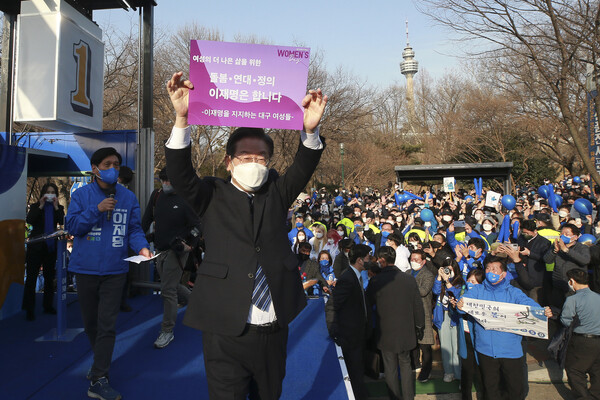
(49,226)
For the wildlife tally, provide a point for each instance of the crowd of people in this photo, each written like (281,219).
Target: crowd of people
(449,243)
(396,267)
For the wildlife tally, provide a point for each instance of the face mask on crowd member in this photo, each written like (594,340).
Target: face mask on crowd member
(475,277)
(417,261)
(167,187)
(569,234)
(495,272)
(487,225)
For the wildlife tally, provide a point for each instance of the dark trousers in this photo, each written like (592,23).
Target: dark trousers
(99,298)
(355,364)
(470,373)
(391,360)
(424,353)
(494,369)
(39,256)
(248,366)
(583,357)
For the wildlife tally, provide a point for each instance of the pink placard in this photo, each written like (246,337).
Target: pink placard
(251,85)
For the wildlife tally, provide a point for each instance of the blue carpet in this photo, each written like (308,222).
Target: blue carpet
(56,370)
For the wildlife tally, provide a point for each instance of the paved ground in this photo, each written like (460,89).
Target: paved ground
(546,380)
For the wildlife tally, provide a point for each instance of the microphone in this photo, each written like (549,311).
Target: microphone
(109,212)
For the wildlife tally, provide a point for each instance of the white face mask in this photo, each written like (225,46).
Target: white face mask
(562,214)
(415,265)
(330,241)
(388,243)
(250,176)
(167,188)
(447,218)
(318,235)
(301,237)
(50,197)
(487,227)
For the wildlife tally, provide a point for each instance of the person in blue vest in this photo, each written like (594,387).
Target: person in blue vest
(499,353)
(104,219)
(299,226)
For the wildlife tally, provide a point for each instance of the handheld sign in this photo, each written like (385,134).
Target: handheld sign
(449,185)
(492,199)
(250,85)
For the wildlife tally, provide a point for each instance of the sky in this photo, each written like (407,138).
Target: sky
(365,38)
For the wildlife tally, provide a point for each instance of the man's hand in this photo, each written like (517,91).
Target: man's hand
(179,93)
(145,252)
(548,312)
(108,204)
(314,106)
(420,331)
(561,245)
(525,252)
(460,304)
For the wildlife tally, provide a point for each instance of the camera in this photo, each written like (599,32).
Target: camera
(178,245)
(447,270)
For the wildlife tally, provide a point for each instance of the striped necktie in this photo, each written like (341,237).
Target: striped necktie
(261,296)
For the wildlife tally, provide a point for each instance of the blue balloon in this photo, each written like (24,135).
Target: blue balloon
(543,191)
(577,179)
(508,202)
(583,206)
(586,237)
(427,215)
(339,200)
(558,200)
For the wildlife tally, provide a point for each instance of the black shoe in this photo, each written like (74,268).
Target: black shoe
(51,310)
(422,379)
(126,307)
(30,316)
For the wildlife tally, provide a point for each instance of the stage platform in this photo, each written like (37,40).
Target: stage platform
(56,370)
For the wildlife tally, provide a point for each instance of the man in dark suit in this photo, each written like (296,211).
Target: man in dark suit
(400,321)
(341,263)
(530,273)
(248,288)
(350,322)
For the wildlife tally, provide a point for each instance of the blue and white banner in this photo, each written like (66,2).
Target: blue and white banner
(506,317)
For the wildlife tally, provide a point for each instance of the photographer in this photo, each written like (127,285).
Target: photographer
(176,232)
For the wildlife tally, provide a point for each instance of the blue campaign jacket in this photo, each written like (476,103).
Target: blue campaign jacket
(99,246)
(494,343)
(438,310)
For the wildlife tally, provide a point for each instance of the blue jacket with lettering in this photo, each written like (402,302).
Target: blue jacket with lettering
(99,245)
(495,343)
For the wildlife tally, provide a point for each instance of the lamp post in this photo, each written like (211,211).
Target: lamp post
(342,154)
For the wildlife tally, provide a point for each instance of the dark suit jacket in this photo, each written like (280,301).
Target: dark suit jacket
(531,273)
(238,240)
(340,264)
(399,309)
(350,321)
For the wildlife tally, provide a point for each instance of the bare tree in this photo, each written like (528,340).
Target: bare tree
(544,39)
